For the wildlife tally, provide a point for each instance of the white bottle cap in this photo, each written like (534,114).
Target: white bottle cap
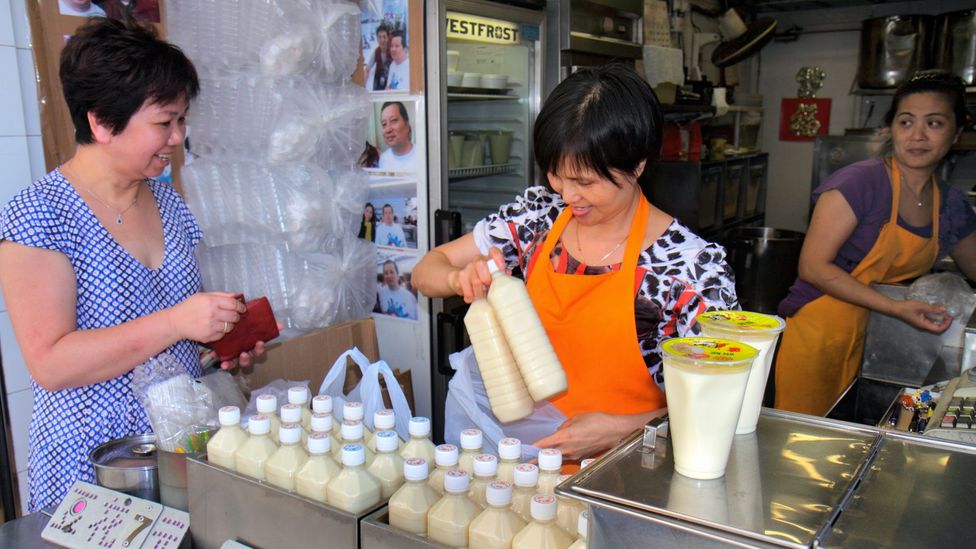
(419,426)
(353,410)
(387,441)
(298,395)
(550,459)
(471,439)
(446,455)
(499,493)
(456,480)
(526,475)
(510,448)
(415,469)
(485,465)
(586,463)
(562,478)
(581,524)
(322,404)
(229,415)
(351,430)
(353,454)
(319,443)
(321,422)
(290,433)
(291,413)
(492,266)
(543,507)
(267,403)
(259,425)
(384,419)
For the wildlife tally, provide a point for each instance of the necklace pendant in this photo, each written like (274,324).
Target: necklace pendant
(118,220)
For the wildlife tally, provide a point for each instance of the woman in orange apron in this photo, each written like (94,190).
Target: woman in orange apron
(609,274)
(828,307)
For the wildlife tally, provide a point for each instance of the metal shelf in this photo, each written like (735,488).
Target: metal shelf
(481,171)
(480,97)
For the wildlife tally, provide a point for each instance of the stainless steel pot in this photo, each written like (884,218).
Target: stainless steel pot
(765,262)
(956,49)
(128,465)
(893,48)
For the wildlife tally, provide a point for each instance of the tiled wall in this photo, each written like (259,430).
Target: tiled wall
(21,161)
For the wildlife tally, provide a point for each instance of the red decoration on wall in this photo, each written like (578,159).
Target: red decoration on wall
(803,119)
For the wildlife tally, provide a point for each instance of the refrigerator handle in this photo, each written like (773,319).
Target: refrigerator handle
(447,226)
(450,336)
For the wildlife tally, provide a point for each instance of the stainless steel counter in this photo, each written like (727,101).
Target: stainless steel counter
(25,532)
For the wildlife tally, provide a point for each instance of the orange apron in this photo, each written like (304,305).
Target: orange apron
(823,343)
(590,321)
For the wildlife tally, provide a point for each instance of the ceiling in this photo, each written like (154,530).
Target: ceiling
(772,6)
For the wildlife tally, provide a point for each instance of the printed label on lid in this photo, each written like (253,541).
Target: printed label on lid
(415,461)
(707,348)
(527,467)
(485,457)
(742,321)
(544,499)
(456,473)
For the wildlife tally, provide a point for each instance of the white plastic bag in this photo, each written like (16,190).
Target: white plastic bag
(467,407)
(336,378)
(372,395)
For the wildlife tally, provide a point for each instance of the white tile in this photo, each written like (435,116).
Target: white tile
(12,113)
(6,23)
(28,91)
(15,374)
(21,23)
(20,406)
(35,154)
(22,487)
(15,173)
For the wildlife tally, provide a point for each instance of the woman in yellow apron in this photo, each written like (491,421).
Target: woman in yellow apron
(877,221)
(609,274)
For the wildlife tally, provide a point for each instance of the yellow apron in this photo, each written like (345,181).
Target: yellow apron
(823,343)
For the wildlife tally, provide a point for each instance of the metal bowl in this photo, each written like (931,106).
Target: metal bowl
(128,465)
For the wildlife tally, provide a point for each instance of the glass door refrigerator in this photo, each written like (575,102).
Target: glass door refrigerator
(484,88)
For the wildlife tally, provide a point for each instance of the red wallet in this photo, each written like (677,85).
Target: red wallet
(257,324)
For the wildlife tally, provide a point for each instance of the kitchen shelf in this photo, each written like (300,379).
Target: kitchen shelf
(481,171)
(480,97)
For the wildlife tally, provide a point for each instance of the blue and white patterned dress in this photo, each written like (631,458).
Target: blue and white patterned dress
(113,287)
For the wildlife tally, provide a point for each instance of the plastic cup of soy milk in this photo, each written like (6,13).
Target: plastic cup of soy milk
(759,331)
(704,381)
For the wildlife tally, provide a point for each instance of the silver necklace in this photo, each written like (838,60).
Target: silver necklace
(918,196)
(119,213)
(579,247)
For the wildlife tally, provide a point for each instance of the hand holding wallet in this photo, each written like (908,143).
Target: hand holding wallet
(256,324)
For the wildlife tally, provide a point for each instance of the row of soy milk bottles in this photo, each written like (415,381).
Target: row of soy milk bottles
(477,500)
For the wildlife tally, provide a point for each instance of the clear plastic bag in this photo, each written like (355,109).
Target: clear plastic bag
(278,388)
(181,410)
(946,289)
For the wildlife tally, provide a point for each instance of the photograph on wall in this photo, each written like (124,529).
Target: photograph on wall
(142,10)
(390,214)
(386,45)
(391,142)
(395,295)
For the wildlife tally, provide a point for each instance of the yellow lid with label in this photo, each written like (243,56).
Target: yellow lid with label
(741,322)
(709,353)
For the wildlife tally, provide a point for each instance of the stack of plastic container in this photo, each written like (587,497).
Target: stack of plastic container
(275,133)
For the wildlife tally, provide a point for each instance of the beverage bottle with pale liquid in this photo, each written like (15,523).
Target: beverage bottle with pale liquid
(537,361)
(542,532)
(387,466)
(449,518)
(353,490)
(409,505)
(471,442)
(322,404)
(299,395)
(586,462)
(526,481)
(354,410)
(352,433)
(267,405)
(580,542)
(292,413)
(509,455)
(383,420)
(568,511)
(419,444)
(282,466)
(222,447)
(320,423)
(497,525)
(445,459)
(550,467)
(250,458)
(485,467)
(507,394)
(312,480)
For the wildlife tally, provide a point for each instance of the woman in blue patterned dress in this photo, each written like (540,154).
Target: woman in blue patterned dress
(96,258)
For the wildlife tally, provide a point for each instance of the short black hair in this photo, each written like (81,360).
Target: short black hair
(387,205)
(401,107)
(112,67)
(391,262)
(938,81)
(399,34)
(605,118)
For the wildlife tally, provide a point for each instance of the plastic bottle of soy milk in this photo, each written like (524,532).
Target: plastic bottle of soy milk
(409,505)
(387,466)
(419,445)
(281,468)
(471,442)
(383,420)
(299,395)
(250,458)
(550,466)
(497,525)
(322,404)
(580,542)
(353,490)
(509,455)
(445,458)
(320,423)
(352,433)
(449,518)
(526,481)
(292,413)
(355,411)
(507,394)
(312,480)
(230,437)
(485,467)
(537,361)
(542,532)
(568,511)
(267,405)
